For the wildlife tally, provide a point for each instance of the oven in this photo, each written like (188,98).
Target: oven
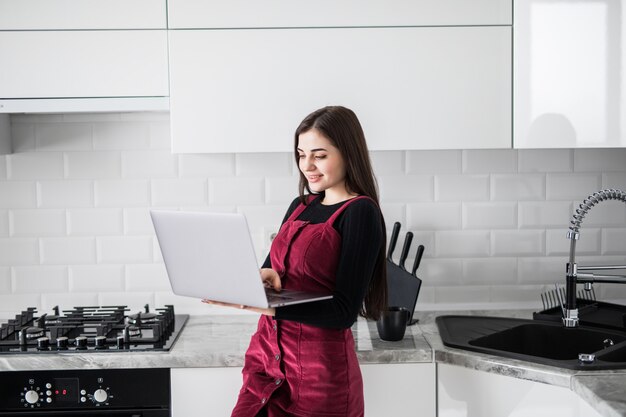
(86,393)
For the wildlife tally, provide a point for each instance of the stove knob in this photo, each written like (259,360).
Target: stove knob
(100,342)
(31,396)
(43,343)
(100,395)
(62,343)
(81,342)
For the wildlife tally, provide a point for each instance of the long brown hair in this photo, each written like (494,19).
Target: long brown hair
(341,126)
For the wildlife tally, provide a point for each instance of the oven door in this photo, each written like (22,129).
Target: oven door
(90,413)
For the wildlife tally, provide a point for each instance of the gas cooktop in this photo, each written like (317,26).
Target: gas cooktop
(93,329)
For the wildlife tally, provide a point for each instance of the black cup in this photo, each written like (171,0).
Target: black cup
(392,323)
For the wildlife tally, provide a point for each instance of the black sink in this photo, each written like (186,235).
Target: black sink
(541,342)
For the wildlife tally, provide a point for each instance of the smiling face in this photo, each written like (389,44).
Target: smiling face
(322,165)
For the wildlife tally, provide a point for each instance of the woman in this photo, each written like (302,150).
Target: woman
(302,360)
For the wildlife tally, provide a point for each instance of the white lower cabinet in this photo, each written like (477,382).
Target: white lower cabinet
(463,392)
(398,390)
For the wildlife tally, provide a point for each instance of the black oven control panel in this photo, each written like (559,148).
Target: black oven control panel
(84,389)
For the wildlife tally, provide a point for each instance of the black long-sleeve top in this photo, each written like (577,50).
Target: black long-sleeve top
(360,227)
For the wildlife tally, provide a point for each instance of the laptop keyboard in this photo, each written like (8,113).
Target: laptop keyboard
(273,295)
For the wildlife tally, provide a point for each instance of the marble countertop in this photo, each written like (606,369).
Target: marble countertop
(221,341)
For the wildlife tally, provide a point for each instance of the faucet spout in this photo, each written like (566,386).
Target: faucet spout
(570,317)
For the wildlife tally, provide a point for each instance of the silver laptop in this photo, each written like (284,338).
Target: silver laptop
(211,256)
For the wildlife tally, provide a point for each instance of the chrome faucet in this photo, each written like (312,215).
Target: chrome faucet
(570,311)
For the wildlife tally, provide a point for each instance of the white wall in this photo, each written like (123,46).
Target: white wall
(75,229)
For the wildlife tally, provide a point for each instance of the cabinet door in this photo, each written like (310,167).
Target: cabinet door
(412,88)
(83,64)
(570,83)
(202,392)
(82,14)
(325,13)
(463,392)
(400,389)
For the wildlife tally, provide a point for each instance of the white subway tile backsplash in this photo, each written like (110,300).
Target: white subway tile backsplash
(93,165)
(96,278)
(67,251)
(123,193)
(613,241)
(438,272)
(393,212)
(90,222)
(207,165)
(38,222)
(63,137)
(534,215)
(5,280)
(137,221)
(65,194)
(22,136)
(434,162)
(492,221)
(571,186)
(557,243)
(462,244)
(67,300)
(160,137)
(4,223)
(490,271)
(541,270)
(489,161)
(545,160)
(434,216)
(388,162)
(19,251)
(605,214)
(18,194)
(236,190)
(178,192)
(517,242)
(462,295)
(34,165)
(615,180)
(127,249)
(12,303)
(263,164)
(461,187)
(280,190)
(40,279)
(149,164)
(121,135)
(599,160)
(150,277)
(3,167)
(489,215)
(406,189)
(518,187)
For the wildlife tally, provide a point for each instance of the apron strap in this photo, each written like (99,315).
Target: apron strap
(301,207)
(336,214)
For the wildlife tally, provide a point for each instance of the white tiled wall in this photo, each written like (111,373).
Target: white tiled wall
(75,228)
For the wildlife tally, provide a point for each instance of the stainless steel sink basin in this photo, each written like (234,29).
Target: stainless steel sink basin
(541,342)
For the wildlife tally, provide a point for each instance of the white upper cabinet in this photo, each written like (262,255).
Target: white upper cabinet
(412,87)
(83,55)
(570,78)
(82,14)
(56,64)
(341,13)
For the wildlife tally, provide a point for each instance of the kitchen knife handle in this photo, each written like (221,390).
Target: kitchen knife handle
(394,239)
(418,258)
(405,249)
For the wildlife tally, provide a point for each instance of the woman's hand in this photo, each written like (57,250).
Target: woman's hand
(270,279)
(266,311)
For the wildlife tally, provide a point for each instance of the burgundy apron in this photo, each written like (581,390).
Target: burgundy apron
(296,369)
